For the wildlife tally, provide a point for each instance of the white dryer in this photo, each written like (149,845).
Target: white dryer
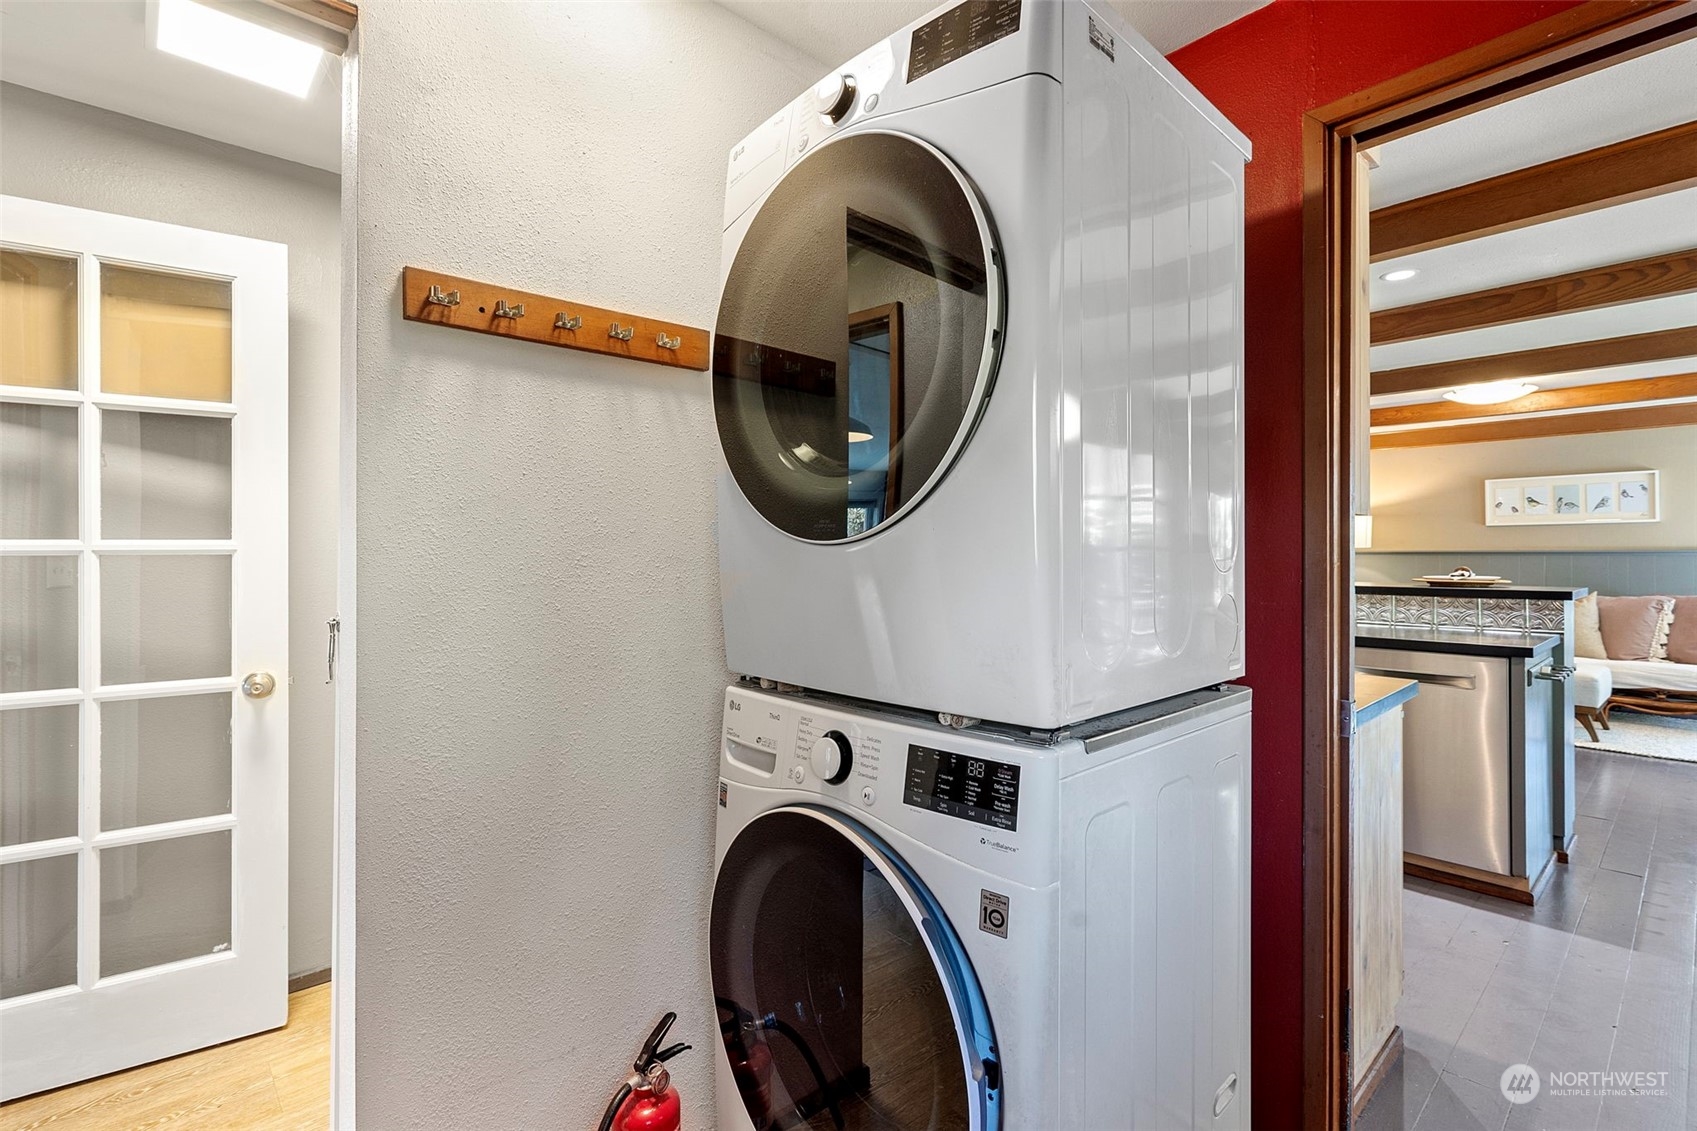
(915,927)
(977,375)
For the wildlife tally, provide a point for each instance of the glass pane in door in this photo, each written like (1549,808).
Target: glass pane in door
(164,335)
(164,476)
(38,471)
(164,759)
(38,773)
(38,320)
(164,616)
(874,239)
(38,932)
(830,1006)
(164,900)
(38,622)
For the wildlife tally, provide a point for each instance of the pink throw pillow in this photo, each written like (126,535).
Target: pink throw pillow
(1634,628)
(1682,634)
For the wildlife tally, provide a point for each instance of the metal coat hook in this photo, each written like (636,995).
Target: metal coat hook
(505,311)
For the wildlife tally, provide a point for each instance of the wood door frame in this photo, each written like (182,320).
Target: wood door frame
(1583,39)
(889,318)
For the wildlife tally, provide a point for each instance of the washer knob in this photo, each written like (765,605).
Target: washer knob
(832,757)
(833,96)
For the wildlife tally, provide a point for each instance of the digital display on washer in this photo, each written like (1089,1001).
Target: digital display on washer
(974,789)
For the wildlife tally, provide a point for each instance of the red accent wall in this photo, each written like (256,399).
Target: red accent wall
(1265,71)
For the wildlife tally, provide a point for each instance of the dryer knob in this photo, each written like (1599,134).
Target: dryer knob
(833,96)
(832,757)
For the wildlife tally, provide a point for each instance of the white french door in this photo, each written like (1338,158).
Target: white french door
(143,641)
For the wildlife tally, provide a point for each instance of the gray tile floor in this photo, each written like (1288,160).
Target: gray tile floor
(1599,977)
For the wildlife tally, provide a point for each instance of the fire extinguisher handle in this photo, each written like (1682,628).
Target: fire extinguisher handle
(668,1053)
(650,1047)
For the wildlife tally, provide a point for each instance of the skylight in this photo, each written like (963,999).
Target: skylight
(237,47)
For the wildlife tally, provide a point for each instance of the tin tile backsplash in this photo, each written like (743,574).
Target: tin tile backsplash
(1500,613)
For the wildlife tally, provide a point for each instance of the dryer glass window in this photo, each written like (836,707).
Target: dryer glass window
(856,334)
(831,1009)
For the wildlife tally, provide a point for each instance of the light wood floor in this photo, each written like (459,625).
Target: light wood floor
(276,1081)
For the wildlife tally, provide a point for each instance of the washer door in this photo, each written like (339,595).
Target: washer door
(857,336)
(845,998)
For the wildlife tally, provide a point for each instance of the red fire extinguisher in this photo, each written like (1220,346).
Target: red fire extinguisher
(647,1101)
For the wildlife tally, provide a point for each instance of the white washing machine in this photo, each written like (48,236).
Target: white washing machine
(915,927)
(977,375)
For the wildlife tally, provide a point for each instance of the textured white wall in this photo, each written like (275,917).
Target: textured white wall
(69,153)
(539,649)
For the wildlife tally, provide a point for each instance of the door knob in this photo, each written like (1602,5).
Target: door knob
(258,685)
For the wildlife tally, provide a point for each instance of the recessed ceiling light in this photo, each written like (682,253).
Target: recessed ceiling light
(231,44)
(1399,275)
(1490,392)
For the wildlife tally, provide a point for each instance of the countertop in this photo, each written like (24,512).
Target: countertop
(1376,694)
(1465,641)
(1518,592)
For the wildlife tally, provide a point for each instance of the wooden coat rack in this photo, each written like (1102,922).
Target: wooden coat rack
(466,304)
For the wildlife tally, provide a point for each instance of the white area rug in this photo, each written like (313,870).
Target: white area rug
(1649,736)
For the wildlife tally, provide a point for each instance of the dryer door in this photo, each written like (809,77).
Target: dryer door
(845,998)
(857,335)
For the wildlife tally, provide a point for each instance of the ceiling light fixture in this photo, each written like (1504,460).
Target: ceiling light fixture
(1490,392)
(859,432)
(227,43)
(1400,274)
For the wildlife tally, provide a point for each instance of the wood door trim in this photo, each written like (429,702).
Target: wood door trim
(890,314)
(1634,169)
(1574,42)
(1657,345)
(1655,276)
(332,13)
(1675,386)
(1568,424)
(1578,41)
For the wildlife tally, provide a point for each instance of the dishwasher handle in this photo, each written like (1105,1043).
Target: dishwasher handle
(1465,682)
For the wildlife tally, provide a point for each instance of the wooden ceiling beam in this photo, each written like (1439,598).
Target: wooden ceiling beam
(1573,424)
(1640,167)
(1655,276)
(1601,395)
(1657,345)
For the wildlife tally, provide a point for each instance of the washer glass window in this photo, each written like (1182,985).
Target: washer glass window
(830,1006)
(856,336)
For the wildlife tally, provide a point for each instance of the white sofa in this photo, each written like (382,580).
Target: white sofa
(1660,687)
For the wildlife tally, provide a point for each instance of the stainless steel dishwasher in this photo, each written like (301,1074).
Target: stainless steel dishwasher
(1476,762)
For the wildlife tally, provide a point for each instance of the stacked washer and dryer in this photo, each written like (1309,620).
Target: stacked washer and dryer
(983,839)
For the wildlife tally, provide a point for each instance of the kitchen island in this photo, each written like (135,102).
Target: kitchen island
(1521,608)
(1477,751)
(1375,881)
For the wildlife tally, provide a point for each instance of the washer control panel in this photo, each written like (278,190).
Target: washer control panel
(964,786)
(981,797)
(799,746)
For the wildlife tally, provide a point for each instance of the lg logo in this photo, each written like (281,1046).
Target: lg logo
(1521,1084)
